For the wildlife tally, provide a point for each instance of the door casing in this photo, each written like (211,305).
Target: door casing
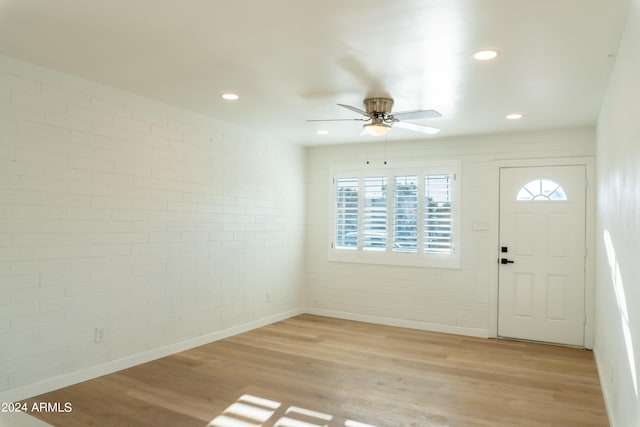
(589,163)
(562,262)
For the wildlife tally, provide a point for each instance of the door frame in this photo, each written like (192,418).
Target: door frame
(590,210)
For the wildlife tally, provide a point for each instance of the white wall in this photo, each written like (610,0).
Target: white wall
(168,229)
(617,333)
(163,227)
(459,301)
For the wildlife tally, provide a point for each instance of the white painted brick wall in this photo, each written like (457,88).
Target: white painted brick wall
(432,297)
(123,213)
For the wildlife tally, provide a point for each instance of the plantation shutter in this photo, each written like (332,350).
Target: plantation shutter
(437,214)
(374,215)
(346,213)
(405,214)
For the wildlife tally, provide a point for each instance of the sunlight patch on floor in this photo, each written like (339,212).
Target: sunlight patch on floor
(253,411)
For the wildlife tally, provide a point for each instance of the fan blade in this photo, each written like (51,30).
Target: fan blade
(416,114)
(416,127)
(354,109)
(337,120)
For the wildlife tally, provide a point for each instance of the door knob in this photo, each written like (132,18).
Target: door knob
(505,261)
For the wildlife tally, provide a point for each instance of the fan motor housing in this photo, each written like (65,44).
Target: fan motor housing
(378,105)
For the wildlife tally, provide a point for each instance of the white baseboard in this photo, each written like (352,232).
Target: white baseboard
(603,386)
(401,323)
(21,419)
(20,393)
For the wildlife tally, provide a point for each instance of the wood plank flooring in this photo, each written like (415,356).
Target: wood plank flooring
(346,373)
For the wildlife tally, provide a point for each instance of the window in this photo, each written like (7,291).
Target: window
(374,213)
(405,214)
(541,189)
(402,216)
(346,214)
(437,213)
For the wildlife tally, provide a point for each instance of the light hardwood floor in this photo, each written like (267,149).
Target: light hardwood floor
(352,373)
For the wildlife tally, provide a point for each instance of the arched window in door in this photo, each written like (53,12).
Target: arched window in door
(541,189)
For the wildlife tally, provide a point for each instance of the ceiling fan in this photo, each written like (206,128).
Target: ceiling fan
(378,112)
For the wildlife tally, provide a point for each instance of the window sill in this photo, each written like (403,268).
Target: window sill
(443,261)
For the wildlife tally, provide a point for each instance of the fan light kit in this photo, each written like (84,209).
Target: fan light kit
(377,128)
(378,112)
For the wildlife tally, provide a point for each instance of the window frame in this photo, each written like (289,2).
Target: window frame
(541,197)
(388,256)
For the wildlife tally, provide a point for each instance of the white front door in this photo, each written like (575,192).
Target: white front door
(542,254)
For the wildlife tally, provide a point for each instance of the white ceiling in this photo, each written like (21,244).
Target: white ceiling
(292,60)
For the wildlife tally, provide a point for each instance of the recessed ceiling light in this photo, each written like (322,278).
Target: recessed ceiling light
(322,132)
(485,55)
(514,116)
(230,96)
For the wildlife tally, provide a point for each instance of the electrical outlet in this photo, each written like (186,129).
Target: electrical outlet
(268,297)
(99,335)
